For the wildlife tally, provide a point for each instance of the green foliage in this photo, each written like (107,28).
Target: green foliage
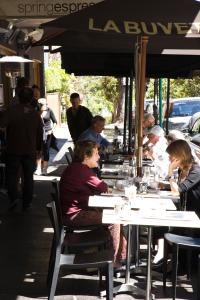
(99,94)
(56,79)
(178,88)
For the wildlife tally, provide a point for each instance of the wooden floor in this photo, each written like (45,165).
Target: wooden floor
(24,254)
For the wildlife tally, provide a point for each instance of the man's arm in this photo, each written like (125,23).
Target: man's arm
(104,143)
(89,117)
(69,123)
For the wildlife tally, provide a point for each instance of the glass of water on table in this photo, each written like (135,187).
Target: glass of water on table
(130,195)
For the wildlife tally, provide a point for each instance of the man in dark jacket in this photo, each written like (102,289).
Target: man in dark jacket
(78,117)
(24,131)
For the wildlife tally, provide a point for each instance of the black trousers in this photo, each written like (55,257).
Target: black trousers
(46,148)
(27,164)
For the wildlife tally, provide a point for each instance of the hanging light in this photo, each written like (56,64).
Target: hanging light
(14,59)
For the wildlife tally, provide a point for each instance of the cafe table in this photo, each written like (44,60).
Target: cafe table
(139,203)
(152,218)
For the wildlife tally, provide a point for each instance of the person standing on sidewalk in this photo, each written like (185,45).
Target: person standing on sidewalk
(24,132)
(49,123)
(78,117)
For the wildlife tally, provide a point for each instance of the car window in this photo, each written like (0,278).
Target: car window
(181,109)
(196,126)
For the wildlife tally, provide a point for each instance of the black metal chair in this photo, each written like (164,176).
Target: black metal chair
(100,260)
(175,242)
(71,153)
(68,158)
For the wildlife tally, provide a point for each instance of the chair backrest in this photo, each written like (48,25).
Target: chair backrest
(56,199)
(71,152)
(58,230)
(55,185)
(69,161)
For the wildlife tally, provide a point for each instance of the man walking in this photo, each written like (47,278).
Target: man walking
(78,117)
(24,131)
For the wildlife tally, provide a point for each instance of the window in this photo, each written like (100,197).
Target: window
(188,108)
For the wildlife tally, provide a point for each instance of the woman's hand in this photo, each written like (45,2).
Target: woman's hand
(109,191)
(175,163)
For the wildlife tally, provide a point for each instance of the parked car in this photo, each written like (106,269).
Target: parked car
(180,112)
(193,129)
(194,124)
(148,105)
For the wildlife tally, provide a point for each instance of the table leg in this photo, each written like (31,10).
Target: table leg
(128,286)
(137,252)
(128,255)
(148,288)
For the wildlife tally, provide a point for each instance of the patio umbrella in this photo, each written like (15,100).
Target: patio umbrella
(131,17)
(114,26)
(97,53)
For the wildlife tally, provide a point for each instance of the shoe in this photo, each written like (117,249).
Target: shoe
(158,266)
(38,172)
(44,172)
(159,262)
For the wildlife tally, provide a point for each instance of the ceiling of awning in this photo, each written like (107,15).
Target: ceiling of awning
(115,64)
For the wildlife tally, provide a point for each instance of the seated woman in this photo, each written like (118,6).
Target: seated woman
(78,182)
(188,183)
(181,158)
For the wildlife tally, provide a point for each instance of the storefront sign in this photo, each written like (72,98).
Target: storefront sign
(42,8)
(147,28)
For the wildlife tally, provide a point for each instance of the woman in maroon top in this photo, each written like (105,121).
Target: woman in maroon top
(78,182)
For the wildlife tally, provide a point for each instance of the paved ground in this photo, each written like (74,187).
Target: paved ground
(25,246)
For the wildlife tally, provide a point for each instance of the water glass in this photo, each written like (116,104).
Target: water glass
(118,209)
(126,208)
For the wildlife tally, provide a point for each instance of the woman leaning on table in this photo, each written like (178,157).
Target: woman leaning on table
(188,182)
(187,185)
(78,182)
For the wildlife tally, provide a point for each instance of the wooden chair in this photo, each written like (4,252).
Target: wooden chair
(100,260)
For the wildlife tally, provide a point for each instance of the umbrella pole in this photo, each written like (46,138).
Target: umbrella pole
(125,115)
(167,110)
(144,41)
(130,115)
(160,102)
(137,72)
